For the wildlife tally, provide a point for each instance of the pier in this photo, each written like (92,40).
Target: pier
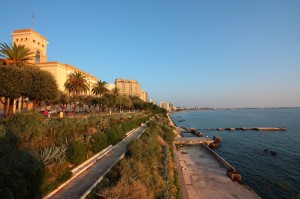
(193,140)
(250,129)
(206,176)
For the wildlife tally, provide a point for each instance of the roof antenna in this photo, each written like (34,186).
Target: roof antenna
(32,19)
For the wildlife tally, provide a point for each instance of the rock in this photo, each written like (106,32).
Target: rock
(213,145)
(235,176)
(193,130)
(199,134)
(273,153)
(217,139)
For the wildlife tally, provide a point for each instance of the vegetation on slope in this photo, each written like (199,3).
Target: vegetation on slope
(33,147)
(148,169)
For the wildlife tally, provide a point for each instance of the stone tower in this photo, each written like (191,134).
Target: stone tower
(36,42)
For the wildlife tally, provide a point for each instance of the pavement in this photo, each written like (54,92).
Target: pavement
(76,188)
(205,177)
(183,188)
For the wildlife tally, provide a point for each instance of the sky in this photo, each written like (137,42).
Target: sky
(206,53)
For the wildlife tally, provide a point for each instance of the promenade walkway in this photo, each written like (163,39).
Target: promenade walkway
(76,188)
(205,177)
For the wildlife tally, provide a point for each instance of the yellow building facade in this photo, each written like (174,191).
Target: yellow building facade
(129,87)
(37,43)
(34,41)
(145,96)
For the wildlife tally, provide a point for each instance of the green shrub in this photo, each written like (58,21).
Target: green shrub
(147,166)
(99,142)
(77,152)
(66,130)
(28,126)
(114,135)
(20,173)
(65,176)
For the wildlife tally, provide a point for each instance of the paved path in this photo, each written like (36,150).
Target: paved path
(206,178)
(77,187)
(183,188)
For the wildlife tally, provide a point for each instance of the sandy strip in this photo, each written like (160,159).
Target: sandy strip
(206,178)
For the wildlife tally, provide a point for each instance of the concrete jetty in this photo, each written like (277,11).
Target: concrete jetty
(252,129)
(205,177)
(193,140)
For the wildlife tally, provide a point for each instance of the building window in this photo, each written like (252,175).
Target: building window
(26,39)
(17,39)
(37,57)
(33,41)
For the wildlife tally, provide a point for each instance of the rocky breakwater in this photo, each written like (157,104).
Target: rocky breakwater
(216,142)
(194,131)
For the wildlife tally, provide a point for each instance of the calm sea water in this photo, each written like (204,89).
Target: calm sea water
(270,176)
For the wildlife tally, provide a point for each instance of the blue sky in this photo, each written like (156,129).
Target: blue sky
(225,53)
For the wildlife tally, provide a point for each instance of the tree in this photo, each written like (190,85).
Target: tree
(31,82)
(43,86)
(100,88)
(137,102)
(101,102)
(15,54)
(13,82)
(116,91)
(123,101)
(76,83)
(111,100)
(63,100)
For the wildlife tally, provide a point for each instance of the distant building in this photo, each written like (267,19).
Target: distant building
(131,88)
(37,43)
(168,106)
(151,101)
(145,96)
(110,87)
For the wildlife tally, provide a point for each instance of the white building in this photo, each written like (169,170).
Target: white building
(167,105)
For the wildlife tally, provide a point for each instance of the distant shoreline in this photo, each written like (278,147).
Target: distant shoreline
(219,109)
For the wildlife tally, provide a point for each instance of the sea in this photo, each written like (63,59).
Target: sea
(271,175)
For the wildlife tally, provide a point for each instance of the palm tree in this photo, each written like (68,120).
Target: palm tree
(116,91)
(19,56)
(100,88)
(15,54)
(76,83)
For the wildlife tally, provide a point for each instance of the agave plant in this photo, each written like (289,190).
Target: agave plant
(53,154)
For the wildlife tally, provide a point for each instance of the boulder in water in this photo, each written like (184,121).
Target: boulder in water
(273,153)
(213,145)
(217,139)
(199,134)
